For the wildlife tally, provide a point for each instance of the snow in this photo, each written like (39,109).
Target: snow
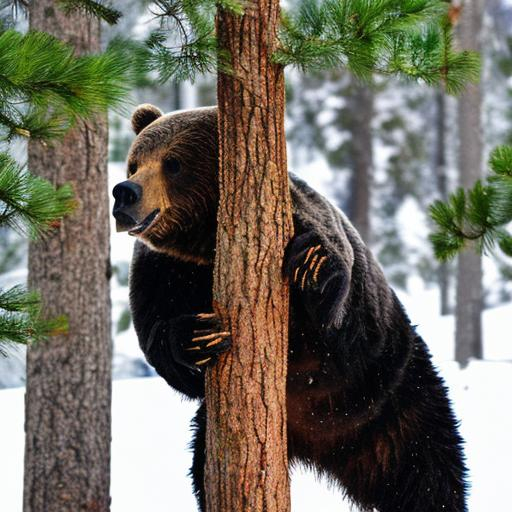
(422,306)
(150,459)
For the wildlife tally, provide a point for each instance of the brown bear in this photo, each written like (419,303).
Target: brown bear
(365,405)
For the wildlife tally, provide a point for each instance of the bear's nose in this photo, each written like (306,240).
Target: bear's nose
(125,194)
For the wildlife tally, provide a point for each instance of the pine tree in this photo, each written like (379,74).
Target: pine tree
(442,189)
(249,293)
(466,218)
(469,291)
(68,392)
(44,90)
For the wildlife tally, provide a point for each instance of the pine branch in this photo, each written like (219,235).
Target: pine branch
(501,182)
(428,56)
(478,216)
(96,9)
(20,319)
(192,49)
(41,71)
(411,38)
(29,204)
(501,161)
(330,28)
(182,62)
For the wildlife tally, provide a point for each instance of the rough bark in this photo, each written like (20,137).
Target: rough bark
(247,468)
(67,449)
(360,104)
(468,329)
(442,189)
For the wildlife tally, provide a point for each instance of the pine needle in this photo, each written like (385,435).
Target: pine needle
(29,204)
(42,72)
(479,215)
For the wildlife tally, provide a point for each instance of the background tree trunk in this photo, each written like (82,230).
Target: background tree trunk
(176,96)
(468,330)
(67,450)
(247,467)
(360,104)
(442,188)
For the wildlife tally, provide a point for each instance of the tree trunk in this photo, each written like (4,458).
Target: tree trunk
(67,422)
(468,330)
(176,96)
(247,467)
(442,188)
(360,105)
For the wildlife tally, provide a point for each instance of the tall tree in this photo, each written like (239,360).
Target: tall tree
(247,463)
(360,102)
(442,189)
(67,450)
(469,294)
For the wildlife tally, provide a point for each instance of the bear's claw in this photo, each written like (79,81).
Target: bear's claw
(199,340)
(317,273)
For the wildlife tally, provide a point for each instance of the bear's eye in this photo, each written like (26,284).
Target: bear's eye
(132,168)
(171,166)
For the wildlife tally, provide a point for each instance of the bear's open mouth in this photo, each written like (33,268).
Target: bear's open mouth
(145,224)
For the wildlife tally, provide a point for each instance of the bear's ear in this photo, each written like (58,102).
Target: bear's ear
(144,114)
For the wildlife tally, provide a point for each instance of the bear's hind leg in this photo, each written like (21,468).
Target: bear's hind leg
(394,465)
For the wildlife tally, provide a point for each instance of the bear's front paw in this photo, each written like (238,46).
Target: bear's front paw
(197,340)
(319,275)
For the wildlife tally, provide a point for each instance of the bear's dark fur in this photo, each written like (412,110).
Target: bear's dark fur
(366,407)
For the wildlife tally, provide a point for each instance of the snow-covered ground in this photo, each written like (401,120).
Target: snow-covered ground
(150,459)
(150,435)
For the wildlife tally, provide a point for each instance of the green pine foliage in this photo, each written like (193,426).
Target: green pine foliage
(409,38)
(45,89)
(478,216)
(328,33)
(428,56)
(21,321)
(185,45)
(29,204)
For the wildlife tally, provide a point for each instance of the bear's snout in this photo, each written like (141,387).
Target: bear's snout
(126,195)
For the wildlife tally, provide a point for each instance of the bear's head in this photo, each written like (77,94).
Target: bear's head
(169,200)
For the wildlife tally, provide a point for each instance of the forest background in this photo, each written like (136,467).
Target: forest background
(383,153)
